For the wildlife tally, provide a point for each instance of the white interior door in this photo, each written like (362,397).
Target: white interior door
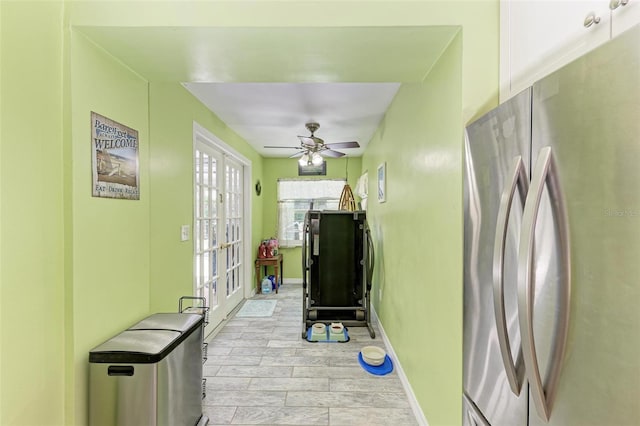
(219,234)
(233,245)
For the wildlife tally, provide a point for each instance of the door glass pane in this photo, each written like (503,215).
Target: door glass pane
(205,169)
(206,243)
(205,261)
(214,292)
(197,206)
(198,167)
(197,232)
(198,274)
(204,203)
(206,294)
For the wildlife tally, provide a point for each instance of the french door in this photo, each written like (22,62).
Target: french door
(219,267)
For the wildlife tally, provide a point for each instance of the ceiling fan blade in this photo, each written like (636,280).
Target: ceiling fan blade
(307,140)
(341,145)
(283,147)
(297,154)
(331,153)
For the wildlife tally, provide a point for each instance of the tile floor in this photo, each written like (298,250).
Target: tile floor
(261,371)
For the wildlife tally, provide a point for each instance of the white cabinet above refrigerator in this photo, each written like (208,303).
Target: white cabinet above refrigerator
(538,37)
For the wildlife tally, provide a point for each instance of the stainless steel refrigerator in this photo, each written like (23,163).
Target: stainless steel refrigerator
(552,249)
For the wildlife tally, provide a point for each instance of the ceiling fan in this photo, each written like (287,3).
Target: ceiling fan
(312,148)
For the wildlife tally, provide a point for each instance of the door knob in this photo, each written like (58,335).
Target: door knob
(614,4)
(592,19)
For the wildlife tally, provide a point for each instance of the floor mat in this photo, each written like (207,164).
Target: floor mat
(257,308)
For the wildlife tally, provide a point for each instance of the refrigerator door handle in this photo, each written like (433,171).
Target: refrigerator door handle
(545,172)
(519,180)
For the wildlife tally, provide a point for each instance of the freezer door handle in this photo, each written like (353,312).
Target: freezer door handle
(520,181)
(545,173)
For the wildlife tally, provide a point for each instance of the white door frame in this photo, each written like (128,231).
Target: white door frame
(202,134)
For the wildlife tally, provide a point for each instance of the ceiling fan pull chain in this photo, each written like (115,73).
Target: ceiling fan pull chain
(346,171)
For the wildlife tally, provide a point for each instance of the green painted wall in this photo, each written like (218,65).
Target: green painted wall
(110,241)
(173,110)
(31,249)
(418,234)
(1,226)
(275,168)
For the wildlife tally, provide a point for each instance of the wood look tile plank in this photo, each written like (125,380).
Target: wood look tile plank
(253,371)
(281,416)
(369,384)
(330,372)
(248,351)
(269,361)
(289,384)
(216,384)
(371,417)
(346,399)
(219,415)
(238,398)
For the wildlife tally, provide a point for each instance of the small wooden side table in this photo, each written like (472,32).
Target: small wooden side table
(275,261)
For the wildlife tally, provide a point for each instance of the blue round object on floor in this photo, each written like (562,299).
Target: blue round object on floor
(379,370)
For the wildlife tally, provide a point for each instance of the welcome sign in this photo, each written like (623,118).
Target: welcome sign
(115,158)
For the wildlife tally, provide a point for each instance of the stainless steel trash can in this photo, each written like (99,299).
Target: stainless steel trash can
(149,374)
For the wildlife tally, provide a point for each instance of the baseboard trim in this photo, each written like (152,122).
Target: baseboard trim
(413,402)
(292,281)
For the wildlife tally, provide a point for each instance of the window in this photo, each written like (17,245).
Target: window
(295,198)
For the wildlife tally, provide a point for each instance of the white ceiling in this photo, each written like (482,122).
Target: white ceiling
(275,113)
(265,83)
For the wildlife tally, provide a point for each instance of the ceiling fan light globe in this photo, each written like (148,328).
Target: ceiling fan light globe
(304,160)
(316,159)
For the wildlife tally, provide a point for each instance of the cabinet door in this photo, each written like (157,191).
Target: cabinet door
(545,35)
(624,16)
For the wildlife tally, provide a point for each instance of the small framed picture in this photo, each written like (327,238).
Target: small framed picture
(313,170)
(382,182)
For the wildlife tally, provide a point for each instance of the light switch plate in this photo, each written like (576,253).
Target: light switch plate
(184,233)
